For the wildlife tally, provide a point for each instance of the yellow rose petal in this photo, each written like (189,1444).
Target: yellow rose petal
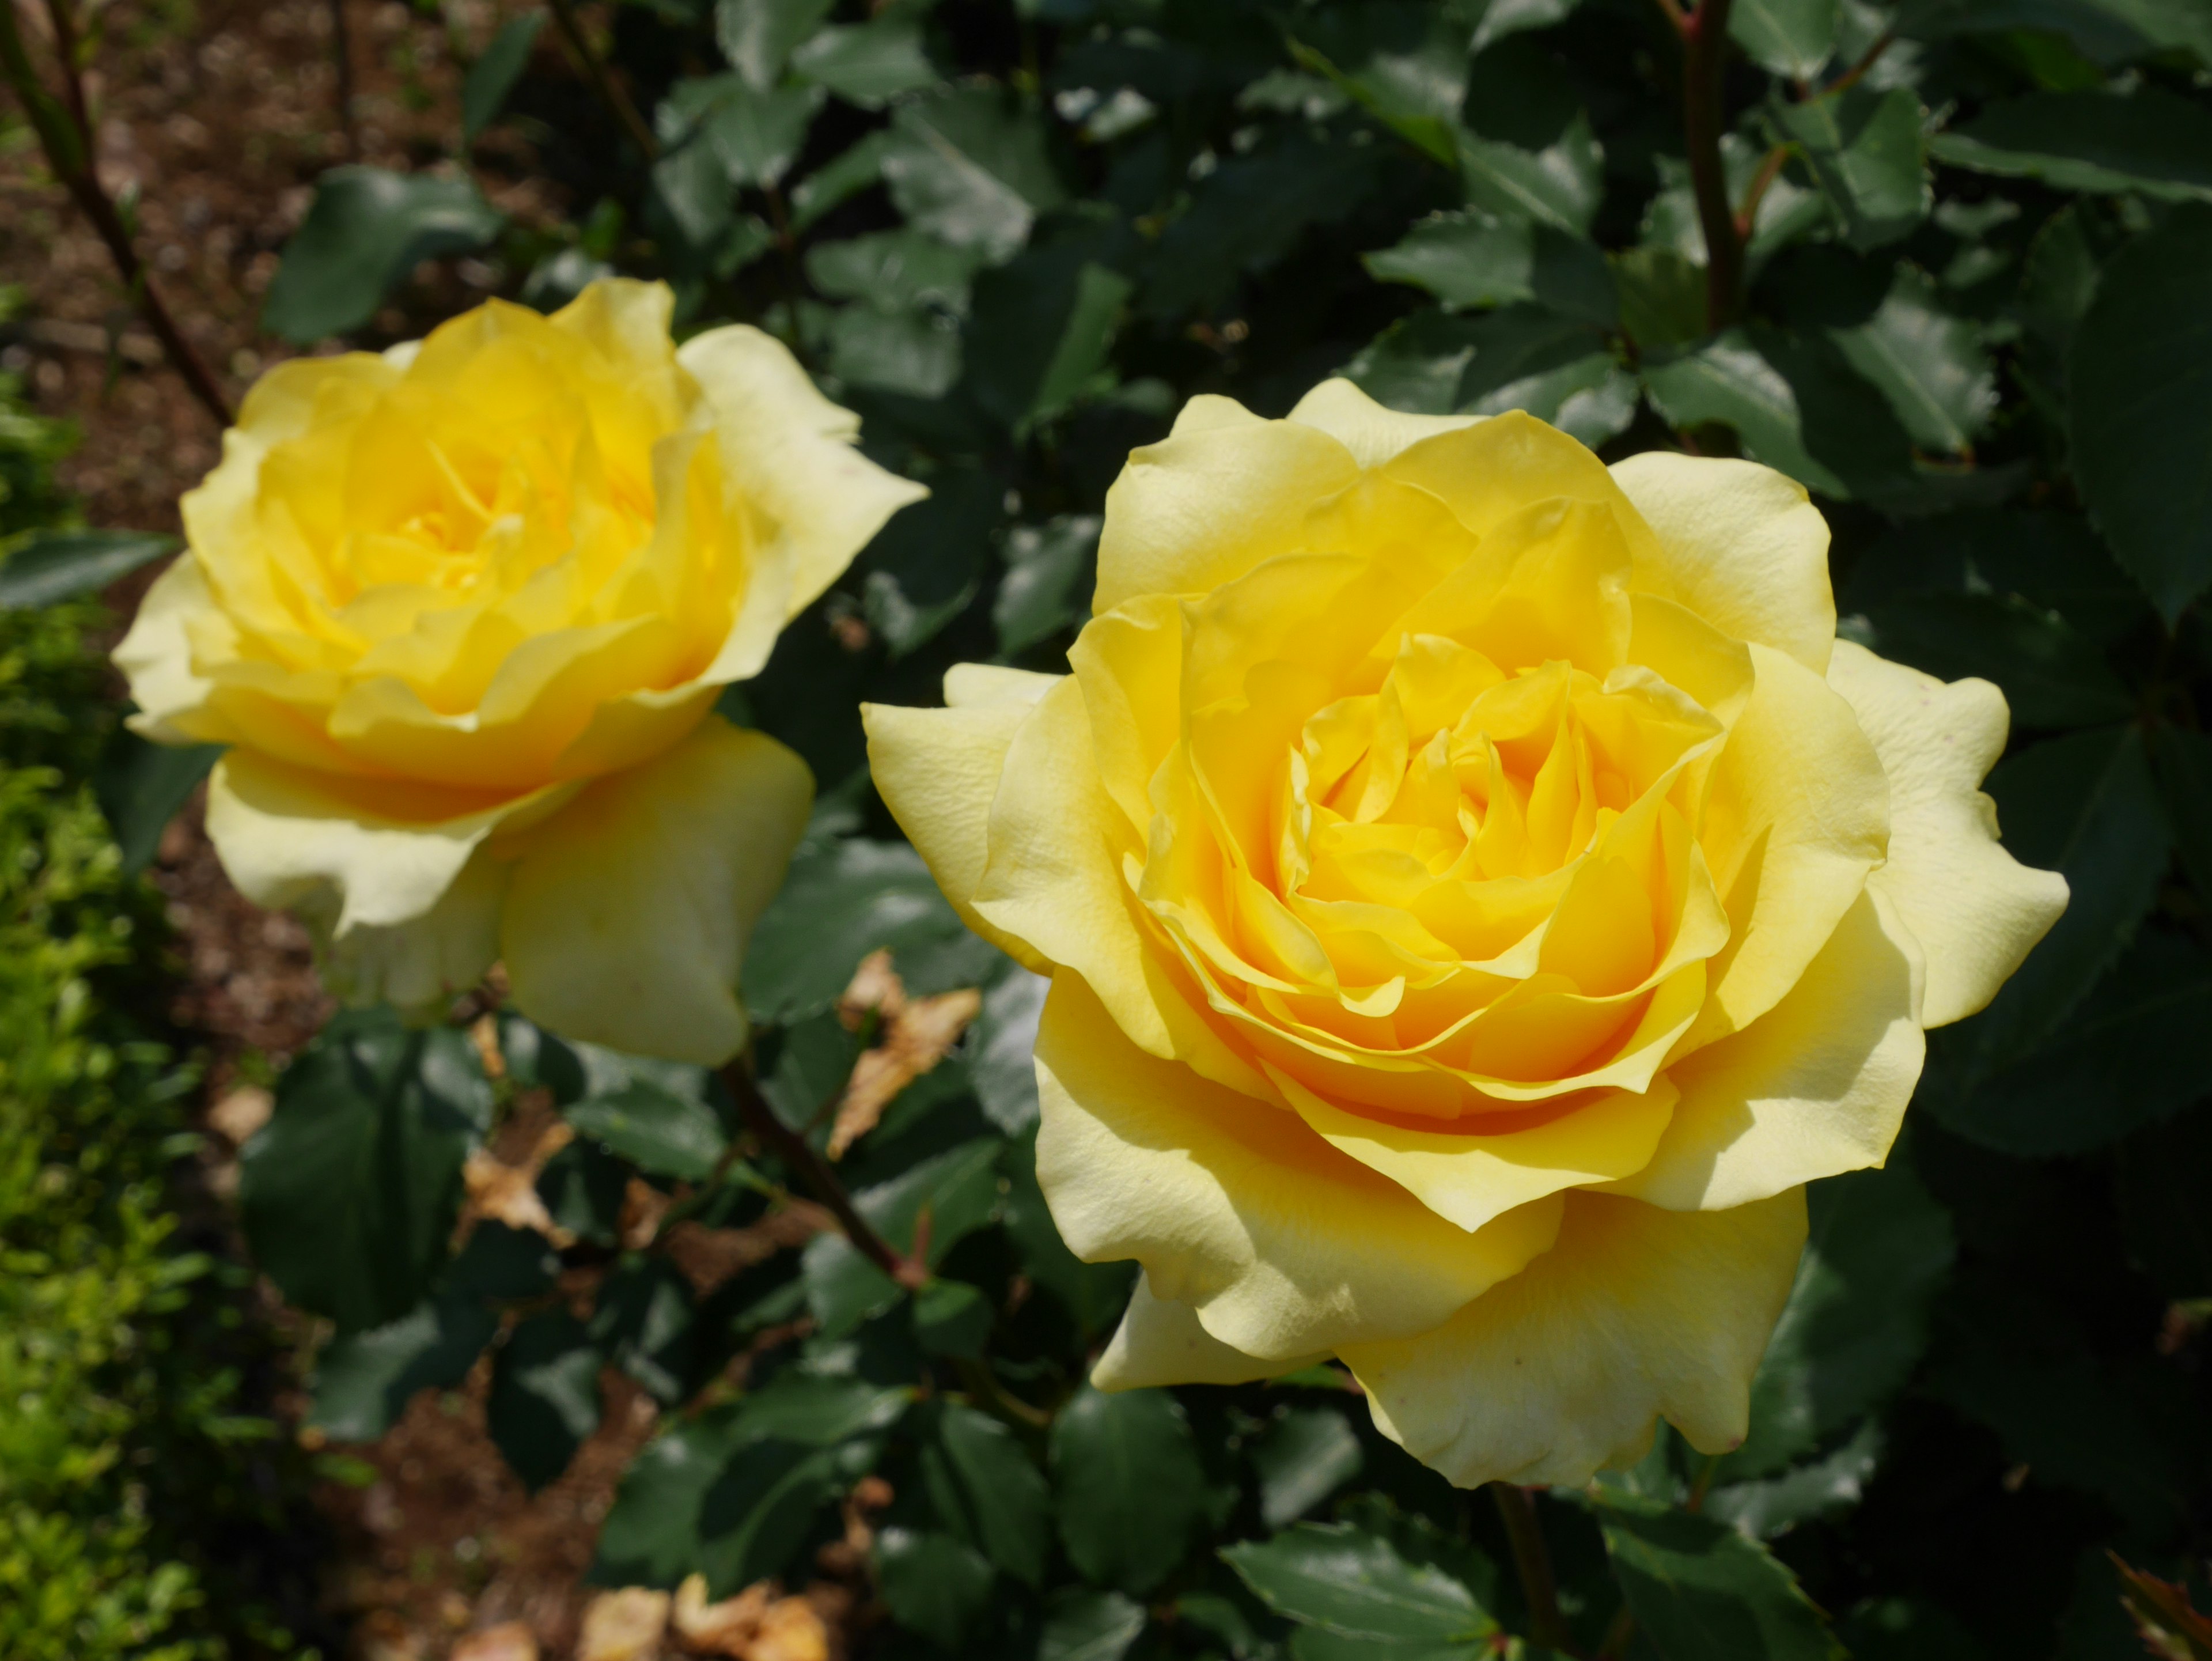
(1161,1342)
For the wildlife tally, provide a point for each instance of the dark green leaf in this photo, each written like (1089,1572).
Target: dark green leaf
(493,76)
(1702,1591)
(1128,1487)
(2141,375)
(1521,358)
(988,1491)
(932,1584)
(1662,296)
(651,1536)
(2166,1203)
(1039,331)
(1245,215)
(1927,361)
(364,1380)
(544,1397)
(1082,1625)
(1002,1058)
(895,270)
(348,1192)
(582,1187)
(661,1134)
(1501,18)
(951,1318)
(1357,1585)
(1790,38)
(142,786)
(643,1322)
(365,231)
(758,36)
(1867,150)
(1559,186)
(498,1261)
(2051,676)
(1472,259)
(754,1518)
(537,1060)
(970,168)
(751,134)
(1306,1455)
(1821,1488)
(838,180)
(2148,141)
(2185,778)
(867,64)
(48,566)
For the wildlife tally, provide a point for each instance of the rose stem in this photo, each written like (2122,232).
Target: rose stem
(66,135)
(1705,49)
(342,61)
(1532,1561)
(793,1150)
(608,90)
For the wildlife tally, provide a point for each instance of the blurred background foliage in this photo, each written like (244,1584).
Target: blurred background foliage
(1960,287)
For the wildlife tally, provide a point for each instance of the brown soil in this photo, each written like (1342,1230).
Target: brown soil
(216,115)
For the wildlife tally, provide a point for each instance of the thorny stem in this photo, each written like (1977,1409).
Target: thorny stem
(1532,1561)
(66,133)
(1705,48)
(809,1166)
(342,61)
(604,86)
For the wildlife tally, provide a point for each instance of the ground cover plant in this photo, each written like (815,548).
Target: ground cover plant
(1946,264)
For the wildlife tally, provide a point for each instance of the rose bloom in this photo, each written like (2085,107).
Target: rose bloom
(1480,891)
(462,612)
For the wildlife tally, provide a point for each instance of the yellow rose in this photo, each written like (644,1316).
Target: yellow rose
(462,612)
(1480,891)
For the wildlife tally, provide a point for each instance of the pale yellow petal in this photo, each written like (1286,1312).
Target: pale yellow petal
(1372,431)
(1210,502)
(627,918)
(1815,1087)
(420,967)
(1634,1315)
(1161,1342)
(1796,815)
(791,452)
(156,659)
(970,684)
(1285,1246)
(1739,544)
(1976,911)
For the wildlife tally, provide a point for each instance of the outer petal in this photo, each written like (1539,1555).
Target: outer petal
(1635,1313)
(357,853)
(938,771)
(627,919)
(1161,1342)
(419,966)
(1796,815)
(1815,1087)
(1976,911)
(1372,431)
(791,452)
(1215,497)
(1739,544)
(1285,1246)
(156,657)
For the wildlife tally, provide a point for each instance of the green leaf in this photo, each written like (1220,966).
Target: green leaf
(2148,142)
(1826,1487)
(909,352)
(1877,1252)
(1083,1625)
(662,1134)
(493,76)
(988,1492)
(48,566)
(722,122)
(1662,296)
(969,167)
(868,64)
(1357,1585)
(1927,361)
(2140,377)
(651,1536)
(1795,403)
(1521,358)
(895,270)
(497,1262)
(2185,778)
(364,1380)
(1501,18)
(928,564)
(2059,278)
(1039,331)
(951,1318)
(1305,1455)
(932,1584)
(367,229)
(2051,675)
(1701,1592)
(1128,1487)
(582,1187)
(839,179)
(758,36)
(642,1321)
(349,1193)
(1868,152)
(544,1398)
(754,1515)
(1471,259)
(1559,186)
(2163,1209)
(141,786)
(1790,38)
(1247,214)
(1042,593)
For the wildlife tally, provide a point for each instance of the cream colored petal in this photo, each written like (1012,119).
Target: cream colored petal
(937,770)
(419,967)
(358,853)
(970,684)
(1471,1175)
(1815,1087)
(156,657)
(1210,502)
(1161,1342)
(1796,815)
(1739,544)
(1285,1246)
(1634,1315)
(791,452)
(1976,911)
(627,919)
(1372,431)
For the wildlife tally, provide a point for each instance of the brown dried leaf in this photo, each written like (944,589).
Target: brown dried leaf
(2168,1623)
(510,1640)
(791,1630)
(707,1257)
(508,1193)
(624,1626)
(913,1037)
(723,1628)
